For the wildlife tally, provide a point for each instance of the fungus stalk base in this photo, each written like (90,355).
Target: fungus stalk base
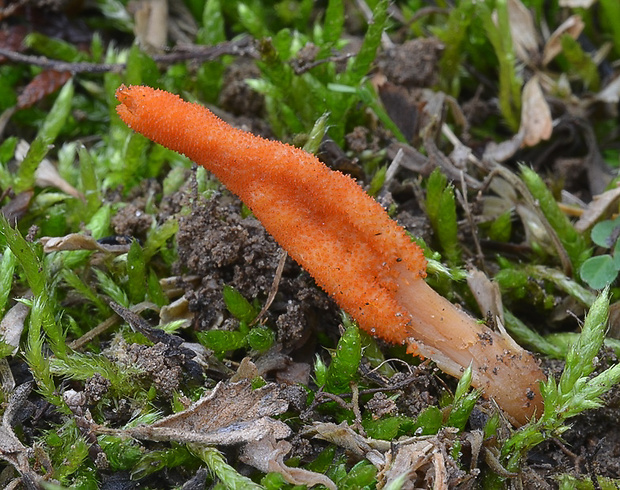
(452,339)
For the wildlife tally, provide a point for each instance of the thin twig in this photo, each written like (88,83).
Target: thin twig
(355,407)
(274,288)
(240,47)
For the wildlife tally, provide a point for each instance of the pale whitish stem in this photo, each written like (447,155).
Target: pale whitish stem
(453,339)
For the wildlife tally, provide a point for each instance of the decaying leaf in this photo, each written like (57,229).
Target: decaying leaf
(18,206)
(344,436)
(12,325)
(78,241)
(43,84)
(500,152)
(524,33)
(600,207)
(425,459)
(422,461)
(536,122)
(46,174)
(11,448)
(232,413)
(411,158)
(12,38)
(571,26)
(177,310)
(267,455)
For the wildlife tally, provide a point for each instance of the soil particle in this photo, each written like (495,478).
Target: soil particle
(380,405)
(291,325)
(171,205)
(162,370)
(294,374)
(296,397)
(477,110)
(155,362)
(304,449)
(571,172)
(215,242)
(236,95)
(95,387)
(361,139)
(131,221)
(413,63)
(415,224)
(418,395)
(594,436)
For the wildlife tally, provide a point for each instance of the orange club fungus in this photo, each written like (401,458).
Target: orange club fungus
(345,240)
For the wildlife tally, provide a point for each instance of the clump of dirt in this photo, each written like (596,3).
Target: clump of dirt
(236,96)
(413,63)
(158,364)
(217,243)
(132,219)
(95,388)
(162,370)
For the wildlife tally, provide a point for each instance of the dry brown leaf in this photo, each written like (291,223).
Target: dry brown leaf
(536,122)
(12,38)
(177,310)
(45,83)
(411,158)
(600,207)
(247,371)
(406,458)
(571,26)
(11,448)
(268,456)
(422,459)
(344,436)
(230,414)
(524,34)
(78,241)
(440,475)
(295,373)
(12,325)
(18,206)
(46,175)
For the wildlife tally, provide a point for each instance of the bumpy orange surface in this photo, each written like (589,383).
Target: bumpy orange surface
(322,218)
(345,240)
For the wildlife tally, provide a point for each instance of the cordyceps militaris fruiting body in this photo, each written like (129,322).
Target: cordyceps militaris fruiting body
(345,240)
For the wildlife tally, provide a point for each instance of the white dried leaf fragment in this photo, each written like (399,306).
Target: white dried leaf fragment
(571,26)
(536,122)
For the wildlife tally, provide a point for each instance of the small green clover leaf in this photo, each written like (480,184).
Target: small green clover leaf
(606,233)
(602,270)
(599,271)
